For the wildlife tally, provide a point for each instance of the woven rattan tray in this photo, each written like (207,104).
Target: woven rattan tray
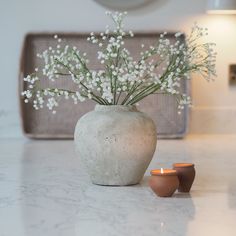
(43,124)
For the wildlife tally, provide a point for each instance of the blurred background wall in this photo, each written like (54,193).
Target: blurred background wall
(214,103)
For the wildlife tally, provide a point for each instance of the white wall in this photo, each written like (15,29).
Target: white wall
(215,103)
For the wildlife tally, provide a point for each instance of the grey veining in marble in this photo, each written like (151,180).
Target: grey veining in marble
(45,192)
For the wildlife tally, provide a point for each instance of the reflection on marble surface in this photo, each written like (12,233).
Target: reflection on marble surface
(44,190)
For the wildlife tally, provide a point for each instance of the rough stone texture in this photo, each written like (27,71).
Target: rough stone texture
(116,144)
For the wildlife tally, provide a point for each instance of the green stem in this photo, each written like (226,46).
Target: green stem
(118,98)
(132,90)
(147,93)
(101,100)
(137,96)
(69,92)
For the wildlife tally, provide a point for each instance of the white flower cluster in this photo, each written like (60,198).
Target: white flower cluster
(123,81)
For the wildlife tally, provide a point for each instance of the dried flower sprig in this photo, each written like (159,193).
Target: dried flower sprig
(123,81)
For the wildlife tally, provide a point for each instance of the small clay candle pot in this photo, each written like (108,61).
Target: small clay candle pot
(164,182)
(186,175)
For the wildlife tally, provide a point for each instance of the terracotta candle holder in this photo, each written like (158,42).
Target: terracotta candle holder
(164,182)
(186,175)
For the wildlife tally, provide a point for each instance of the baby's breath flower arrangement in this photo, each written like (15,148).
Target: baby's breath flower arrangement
(123,81)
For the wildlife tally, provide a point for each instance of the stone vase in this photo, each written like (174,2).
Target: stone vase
(116,143)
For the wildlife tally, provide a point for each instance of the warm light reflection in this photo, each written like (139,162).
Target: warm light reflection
(222,12)
(183,165)
(163,172)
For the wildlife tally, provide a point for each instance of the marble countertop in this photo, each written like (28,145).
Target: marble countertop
(44,191)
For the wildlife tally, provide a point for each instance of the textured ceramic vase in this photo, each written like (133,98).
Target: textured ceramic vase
(164,185)
(186,174)
(116,144)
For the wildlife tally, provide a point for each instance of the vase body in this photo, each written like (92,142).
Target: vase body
(186,175)
(164,186)
(116,144)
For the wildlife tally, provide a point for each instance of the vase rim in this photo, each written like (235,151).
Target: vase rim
(167,172)
(183,165)
(99,107)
